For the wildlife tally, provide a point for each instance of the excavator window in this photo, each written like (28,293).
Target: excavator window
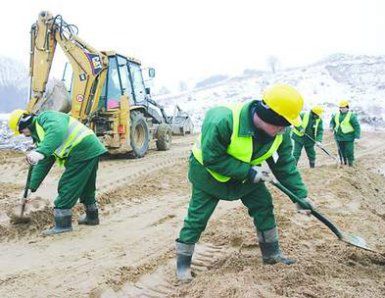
(125,78)
(114,90)
(137,83)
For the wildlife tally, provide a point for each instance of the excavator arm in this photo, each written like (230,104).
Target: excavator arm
(89,65)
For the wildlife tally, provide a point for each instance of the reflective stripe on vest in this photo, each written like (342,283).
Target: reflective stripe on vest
(305,122)
(76,132)
(316,127)
(346,127)
(240,148)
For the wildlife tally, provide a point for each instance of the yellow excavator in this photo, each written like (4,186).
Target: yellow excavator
(102,89)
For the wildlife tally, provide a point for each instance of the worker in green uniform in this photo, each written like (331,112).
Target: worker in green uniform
(226,164)
(309,132)
(61,138)
(347,131)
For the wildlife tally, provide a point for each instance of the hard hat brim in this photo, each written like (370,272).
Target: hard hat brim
(295,122)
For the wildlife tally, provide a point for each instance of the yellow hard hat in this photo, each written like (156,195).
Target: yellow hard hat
(14,120)
(285,101)
(318,110)
(343,103)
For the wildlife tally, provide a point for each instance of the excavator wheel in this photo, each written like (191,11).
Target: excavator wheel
(163,137)
(140,136)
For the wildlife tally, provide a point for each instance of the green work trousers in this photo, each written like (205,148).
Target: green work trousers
(346,151)
(77,182)
(309,148)
(202,205)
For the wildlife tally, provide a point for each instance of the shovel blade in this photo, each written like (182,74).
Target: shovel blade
(356,241)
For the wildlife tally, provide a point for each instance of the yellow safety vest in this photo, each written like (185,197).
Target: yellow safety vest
(76,132)
(305,122)
(346,127)
(240,148)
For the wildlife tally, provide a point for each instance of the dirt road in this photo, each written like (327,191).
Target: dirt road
(143,203)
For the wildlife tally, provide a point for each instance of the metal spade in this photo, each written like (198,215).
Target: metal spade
(345,237)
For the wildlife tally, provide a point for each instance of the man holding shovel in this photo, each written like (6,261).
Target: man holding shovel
(308,134)
(61,138)
(347,131)
(226,164)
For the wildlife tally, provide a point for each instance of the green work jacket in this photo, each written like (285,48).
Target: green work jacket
(55,125)
(215,138)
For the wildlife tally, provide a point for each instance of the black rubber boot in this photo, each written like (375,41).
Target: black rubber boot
(184,254)
(63,222)
(312,164)
(91,217)
(271,253)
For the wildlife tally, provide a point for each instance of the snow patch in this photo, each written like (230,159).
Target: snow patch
(360,79)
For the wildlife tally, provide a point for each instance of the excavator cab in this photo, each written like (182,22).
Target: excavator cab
(124,77)
(127,119)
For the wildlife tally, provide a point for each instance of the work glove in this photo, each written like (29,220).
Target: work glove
(33,157)
(318,144)
(257,174)
(356,141)
(307,206)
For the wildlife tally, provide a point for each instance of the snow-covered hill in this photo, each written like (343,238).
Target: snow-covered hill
(13,85)
(360,79)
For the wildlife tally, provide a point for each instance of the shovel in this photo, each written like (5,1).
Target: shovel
(348,238)
(323,149)
(339,149)
(22,219)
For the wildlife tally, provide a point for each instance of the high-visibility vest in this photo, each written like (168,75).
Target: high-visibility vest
(346,127)
(305,121)
(240,148)
(76,132)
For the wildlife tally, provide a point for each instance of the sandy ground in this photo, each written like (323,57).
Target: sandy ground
(143,202)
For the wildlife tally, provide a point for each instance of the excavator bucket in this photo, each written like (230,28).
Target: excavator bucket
(56,98)
(181,123)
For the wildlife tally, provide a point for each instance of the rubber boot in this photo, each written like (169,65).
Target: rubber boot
(91,217)
(63,222)
(312,164)
(184,254)
(271,253)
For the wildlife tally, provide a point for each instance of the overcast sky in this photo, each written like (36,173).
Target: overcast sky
(186,40)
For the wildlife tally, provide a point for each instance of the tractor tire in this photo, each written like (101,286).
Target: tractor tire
(139,135)
(163,137)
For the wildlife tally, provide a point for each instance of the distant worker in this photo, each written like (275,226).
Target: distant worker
(61,138)
(226,165)
(309,131)
(347,130)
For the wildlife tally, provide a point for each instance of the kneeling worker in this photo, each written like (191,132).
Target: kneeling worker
(225,164)
(61,138)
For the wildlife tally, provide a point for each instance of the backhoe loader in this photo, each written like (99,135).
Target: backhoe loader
(105,90)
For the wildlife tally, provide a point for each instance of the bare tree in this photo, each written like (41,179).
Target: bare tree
(272,62)
(182,86)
